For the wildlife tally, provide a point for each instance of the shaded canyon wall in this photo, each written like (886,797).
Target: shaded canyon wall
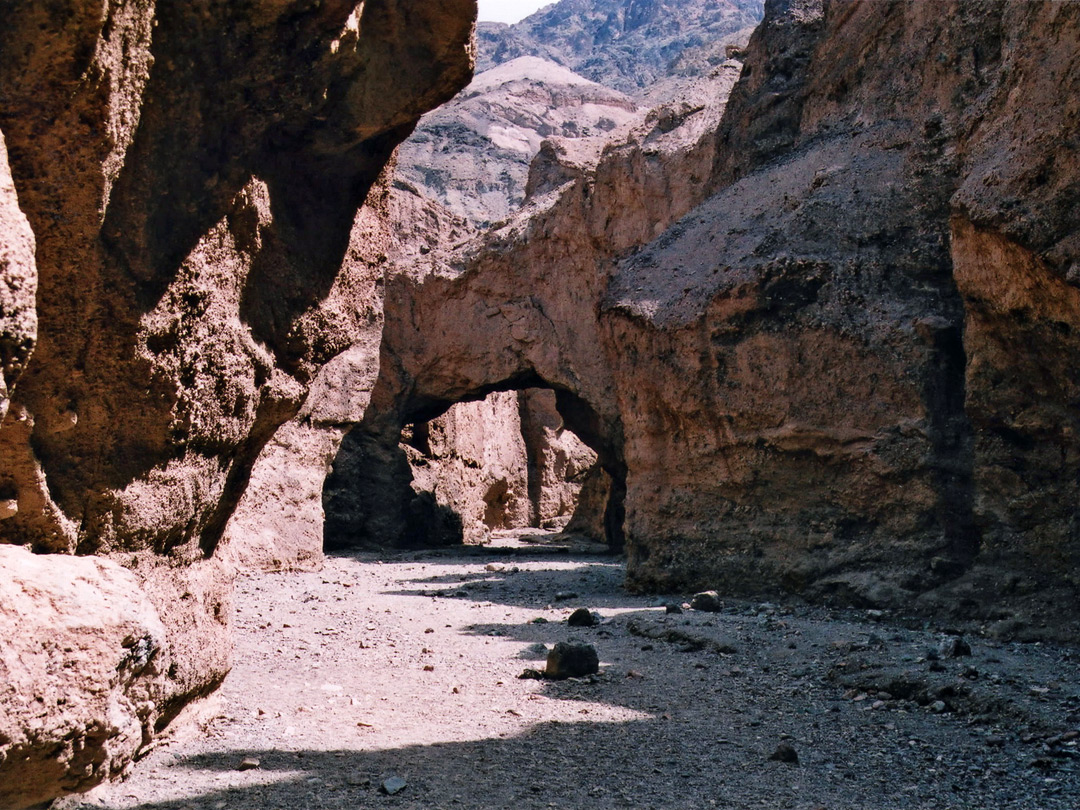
(190,175)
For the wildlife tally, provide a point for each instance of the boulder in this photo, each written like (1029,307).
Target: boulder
(82,673)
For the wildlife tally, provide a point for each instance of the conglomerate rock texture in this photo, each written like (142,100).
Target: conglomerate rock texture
(191,174)
(844,373)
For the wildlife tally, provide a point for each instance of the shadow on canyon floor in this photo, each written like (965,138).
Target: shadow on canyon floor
(403,664)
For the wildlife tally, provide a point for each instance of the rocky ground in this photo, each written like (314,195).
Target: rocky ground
(400,672)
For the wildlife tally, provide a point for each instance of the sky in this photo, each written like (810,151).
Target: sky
(509,11)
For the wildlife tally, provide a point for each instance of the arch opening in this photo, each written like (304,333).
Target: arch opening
(507,459)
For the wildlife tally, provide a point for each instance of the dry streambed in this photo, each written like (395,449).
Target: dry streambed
(400,673)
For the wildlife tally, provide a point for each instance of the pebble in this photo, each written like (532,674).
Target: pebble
(572,659)
(562,596)
(393,785)
(954,647)
(785,752)
(248,764)
(938,706)
(583,617)
(672,607)
(707,601)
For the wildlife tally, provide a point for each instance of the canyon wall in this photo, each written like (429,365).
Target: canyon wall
(516,309)
(190,175)
(832,359)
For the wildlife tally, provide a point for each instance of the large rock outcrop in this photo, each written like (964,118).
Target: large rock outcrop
(845,372)
(192,174)
(82,667)
(517,309)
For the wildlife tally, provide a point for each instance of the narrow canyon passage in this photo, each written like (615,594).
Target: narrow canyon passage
(405,665)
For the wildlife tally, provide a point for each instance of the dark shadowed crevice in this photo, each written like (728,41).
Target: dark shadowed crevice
(371,497)
(953,452)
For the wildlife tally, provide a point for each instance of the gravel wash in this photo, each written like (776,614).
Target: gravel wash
(392,681)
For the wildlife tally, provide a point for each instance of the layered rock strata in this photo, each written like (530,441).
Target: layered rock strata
(191,173)
(844,372)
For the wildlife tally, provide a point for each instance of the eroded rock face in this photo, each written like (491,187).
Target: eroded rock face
(819,380)
(875,463)
(506,462)
(513,310)
(82,670)
(18,285)
(192,174)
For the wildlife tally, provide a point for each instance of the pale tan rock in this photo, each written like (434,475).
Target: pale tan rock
(18,286)
(473,154)
(473,460)
(559,462)
(82,672)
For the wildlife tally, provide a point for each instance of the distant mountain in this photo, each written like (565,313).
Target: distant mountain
(573,71)
(624,44)
(473,154)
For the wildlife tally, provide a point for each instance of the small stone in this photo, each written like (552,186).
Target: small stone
(529,675)
(938,706)
(562,596)
(707,601)
(248,764)
(357,781)
(572,659)
(672,607)
(393,785)
(583,617)
(785,752)
(534,651)
(954,647)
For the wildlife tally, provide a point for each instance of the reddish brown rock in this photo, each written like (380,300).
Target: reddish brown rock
(512,311)
(192,175)
(844,372)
